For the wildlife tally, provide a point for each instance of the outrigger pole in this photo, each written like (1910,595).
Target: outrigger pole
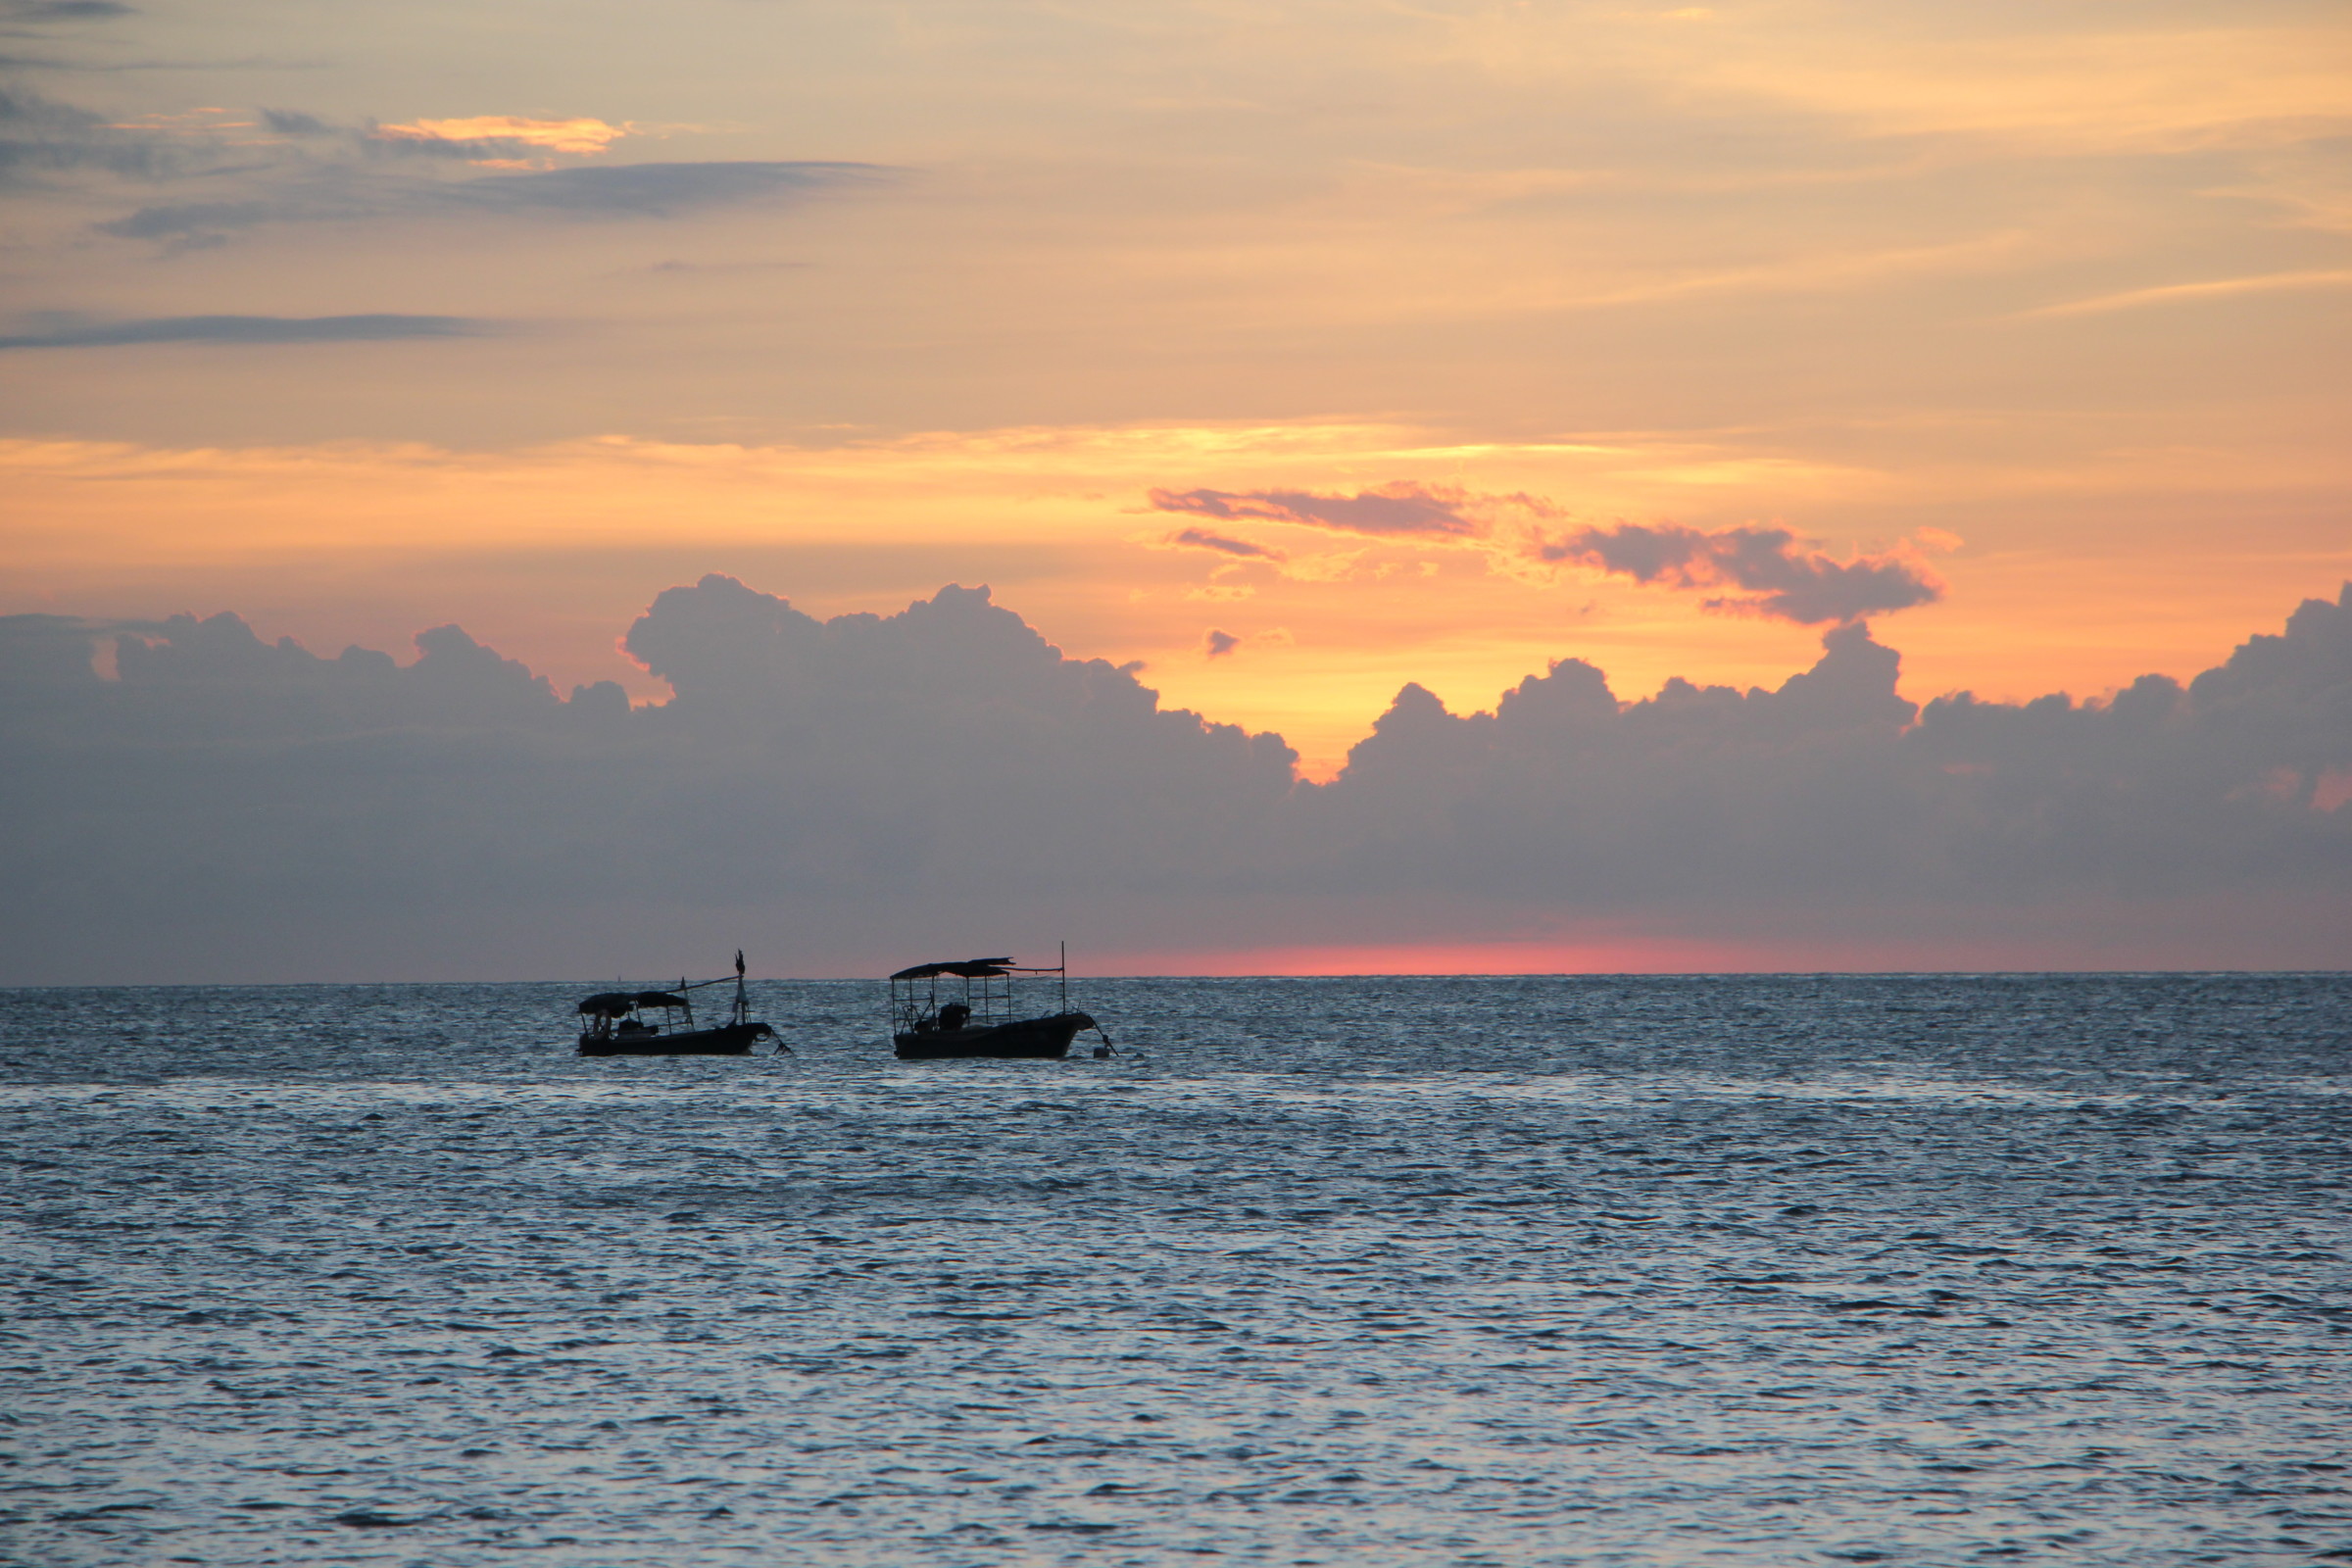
(743,1001)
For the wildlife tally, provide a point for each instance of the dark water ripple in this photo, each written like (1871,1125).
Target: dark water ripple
(1732,1272)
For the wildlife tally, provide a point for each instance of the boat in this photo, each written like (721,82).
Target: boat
(964,1007)
(618,1025)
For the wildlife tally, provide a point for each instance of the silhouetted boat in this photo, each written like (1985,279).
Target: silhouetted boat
(974,1017)
(618,1025)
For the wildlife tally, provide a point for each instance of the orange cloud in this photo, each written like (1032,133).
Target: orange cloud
(194,123)
(584,138)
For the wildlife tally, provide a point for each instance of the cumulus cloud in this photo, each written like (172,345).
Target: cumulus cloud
(1217,644)
(244,795)
(1774,575)
(246,329)
(848,791)
(1402,508)
(1834,787)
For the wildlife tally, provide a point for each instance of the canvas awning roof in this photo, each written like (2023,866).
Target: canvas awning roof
(612,1004)
(961,968)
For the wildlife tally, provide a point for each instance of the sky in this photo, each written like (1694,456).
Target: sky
(1276,359)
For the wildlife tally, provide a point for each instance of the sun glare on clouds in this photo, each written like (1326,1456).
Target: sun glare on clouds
(582,137)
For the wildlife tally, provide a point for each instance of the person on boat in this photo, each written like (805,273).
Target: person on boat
(954,1015)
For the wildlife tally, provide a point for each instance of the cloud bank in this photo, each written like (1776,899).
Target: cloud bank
(843,791)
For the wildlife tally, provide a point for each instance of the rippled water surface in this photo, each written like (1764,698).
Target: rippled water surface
(1746,1271)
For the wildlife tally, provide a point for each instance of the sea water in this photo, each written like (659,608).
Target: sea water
(1589,1271)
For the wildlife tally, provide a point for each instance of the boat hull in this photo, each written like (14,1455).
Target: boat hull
(1046,1039)
(726,1040)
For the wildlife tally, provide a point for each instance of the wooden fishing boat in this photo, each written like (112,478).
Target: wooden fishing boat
(619,1026)
(964,1007)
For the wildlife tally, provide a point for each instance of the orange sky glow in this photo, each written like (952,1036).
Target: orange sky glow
(2040,306)
(548,552)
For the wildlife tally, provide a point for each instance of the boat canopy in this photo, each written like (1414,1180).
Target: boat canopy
(965,970)
(612,1004)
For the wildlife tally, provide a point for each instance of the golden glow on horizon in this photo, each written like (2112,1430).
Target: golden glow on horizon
(1603,952)
(1057,521)
(1066,483)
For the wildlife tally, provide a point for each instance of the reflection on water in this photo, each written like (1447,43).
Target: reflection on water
(1636,1271)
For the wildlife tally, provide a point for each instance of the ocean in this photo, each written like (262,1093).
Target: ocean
(1738,1270)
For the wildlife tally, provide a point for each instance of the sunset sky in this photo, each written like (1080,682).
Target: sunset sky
(1285,353)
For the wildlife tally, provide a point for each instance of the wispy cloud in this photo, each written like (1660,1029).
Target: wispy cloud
(45,13)
(1774,575)
(632,190)
(1398,509)
(646,191)
(248,329)
(2173,293)
(294,123)
(1203,539)
(1769,571)
(39,135)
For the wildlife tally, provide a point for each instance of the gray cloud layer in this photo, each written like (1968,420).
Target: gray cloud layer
(859,787)
(248,329)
